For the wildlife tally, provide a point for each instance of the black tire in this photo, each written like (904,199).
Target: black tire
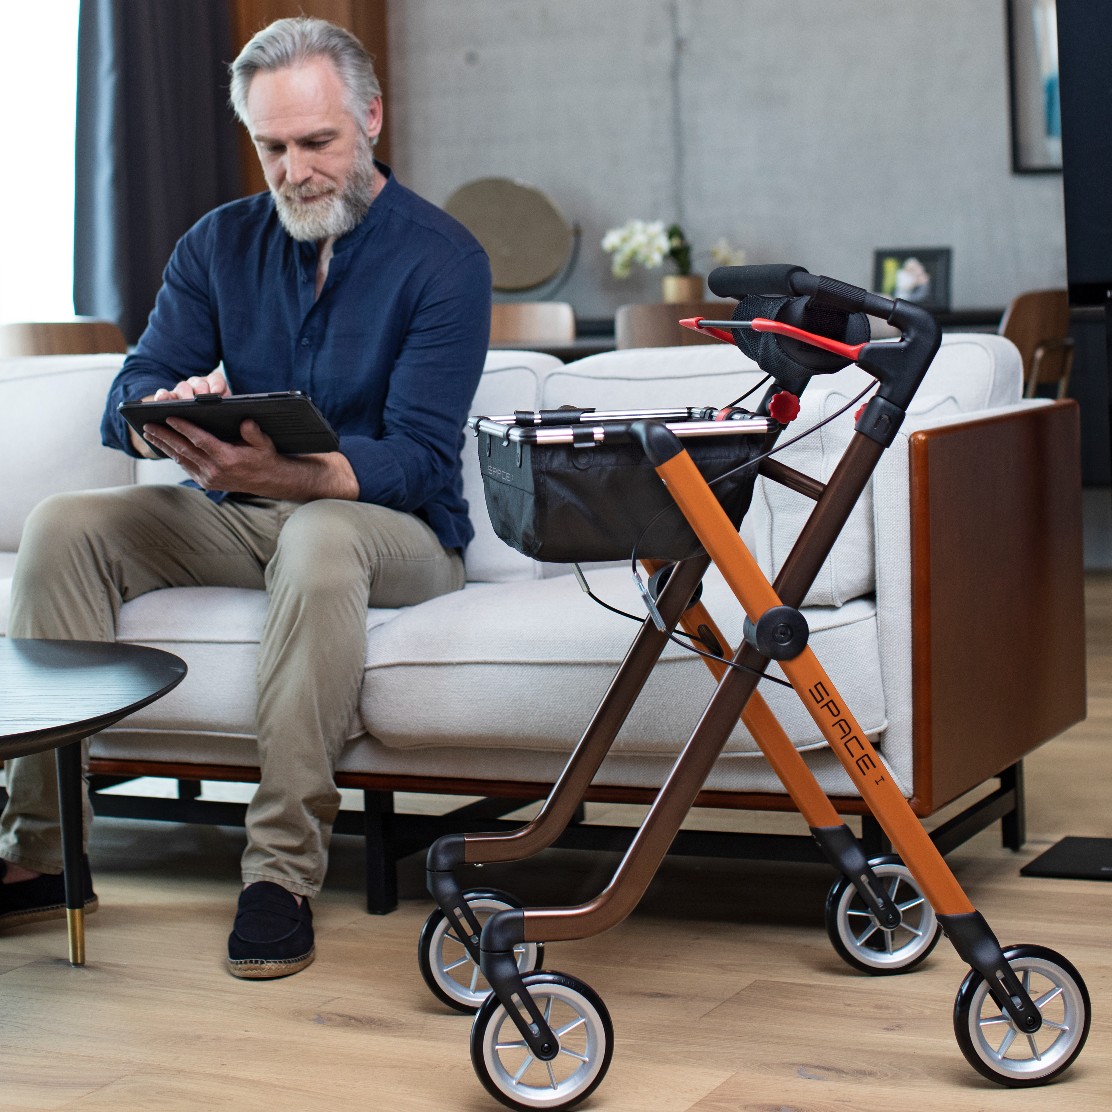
(1015,1059)
(441,953)
(506,1066)
(860,940)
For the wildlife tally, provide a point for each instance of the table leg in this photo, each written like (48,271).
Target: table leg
(70,809)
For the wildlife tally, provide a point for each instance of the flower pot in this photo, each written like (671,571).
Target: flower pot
(682,287)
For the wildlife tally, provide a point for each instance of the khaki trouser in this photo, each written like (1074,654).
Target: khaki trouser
(322,563)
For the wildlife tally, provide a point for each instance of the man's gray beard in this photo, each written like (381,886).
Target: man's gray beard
(336,215)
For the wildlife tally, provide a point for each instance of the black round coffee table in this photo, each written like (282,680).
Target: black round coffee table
(55,693)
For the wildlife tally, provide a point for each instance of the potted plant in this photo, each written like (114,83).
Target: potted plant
(648,243)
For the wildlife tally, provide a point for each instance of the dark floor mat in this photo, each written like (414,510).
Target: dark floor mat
(1074,859)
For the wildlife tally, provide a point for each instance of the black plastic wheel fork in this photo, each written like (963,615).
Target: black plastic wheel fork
(445,855)
(501,933)
(845,854)
(978,947)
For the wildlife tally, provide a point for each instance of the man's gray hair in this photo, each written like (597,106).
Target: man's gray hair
(292,42)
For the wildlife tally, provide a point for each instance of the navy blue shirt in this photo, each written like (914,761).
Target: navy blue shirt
(391,351)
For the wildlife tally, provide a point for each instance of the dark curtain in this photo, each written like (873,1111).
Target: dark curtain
(156,144)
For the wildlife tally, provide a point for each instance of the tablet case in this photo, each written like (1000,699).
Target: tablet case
(288,417)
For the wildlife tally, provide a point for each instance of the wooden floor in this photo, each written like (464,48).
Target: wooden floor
(724,990)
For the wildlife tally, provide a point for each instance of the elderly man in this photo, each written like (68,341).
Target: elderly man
(341,283)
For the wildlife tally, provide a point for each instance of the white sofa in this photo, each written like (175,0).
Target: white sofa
(949,613)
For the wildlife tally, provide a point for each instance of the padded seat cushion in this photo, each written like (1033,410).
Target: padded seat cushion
(553,653)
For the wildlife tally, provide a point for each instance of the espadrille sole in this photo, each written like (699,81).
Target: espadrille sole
(259,969)
(41,914)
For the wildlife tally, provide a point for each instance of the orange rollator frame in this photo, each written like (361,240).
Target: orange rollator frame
(774,630)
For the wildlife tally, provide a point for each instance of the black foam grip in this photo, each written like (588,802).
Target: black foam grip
(740,281)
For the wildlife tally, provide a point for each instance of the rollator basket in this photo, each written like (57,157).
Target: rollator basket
(569,486)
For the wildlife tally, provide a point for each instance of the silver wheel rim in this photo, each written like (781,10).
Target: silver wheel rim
(512,1067)
(868,941)
(1012,1053)
(451,965)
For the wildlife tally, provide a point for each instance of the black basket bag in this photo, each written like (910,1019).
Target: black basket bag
(589,501)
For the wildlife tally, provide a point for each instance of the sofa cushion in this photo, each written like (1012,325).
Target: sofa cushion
(51,406)
(970,372)
(216,631)
(548,653)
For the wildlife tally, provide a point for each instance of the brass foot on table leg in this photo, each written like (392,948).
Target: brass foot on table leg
(75,922)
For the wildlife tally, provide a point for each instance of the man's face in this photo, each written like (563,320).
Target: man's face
(316,158)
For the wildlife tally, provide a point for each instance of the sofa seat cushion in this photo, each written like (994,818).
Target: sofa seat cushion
(549,653)
(215,630)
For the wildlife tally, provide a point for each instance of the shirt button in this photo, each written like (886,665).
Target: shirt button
(304,341)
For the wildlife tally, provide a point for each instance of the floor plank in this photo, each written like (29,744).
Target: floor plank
(723,987)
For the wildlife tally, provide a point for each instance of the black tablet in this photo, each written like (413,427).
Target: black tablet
(288,417)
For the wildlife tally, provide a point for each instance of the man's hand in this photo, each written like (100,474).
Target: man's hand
(253,467)
(212,383)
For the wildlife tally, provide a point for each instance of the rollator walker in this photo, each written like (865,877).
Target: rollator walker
(667,489)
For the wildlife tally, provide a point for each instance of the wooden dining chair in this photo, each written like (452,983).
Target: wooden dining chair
(531,322)
(1038,322)
(657,324)
(80,336)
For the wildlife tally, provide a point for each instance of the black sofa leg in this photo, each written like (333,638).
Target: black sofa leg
(381,859)
(1013,825)
(874,842)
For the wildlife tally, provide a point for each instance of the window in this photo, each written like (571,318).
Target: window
(38,102)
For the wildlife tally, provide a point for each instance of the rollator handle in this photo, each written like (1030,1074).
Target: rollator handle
(899,366)
(787,280)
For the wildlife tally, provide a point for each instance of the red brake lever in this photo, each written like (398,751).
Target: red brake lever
(717,333)
(848,351)
(763,324)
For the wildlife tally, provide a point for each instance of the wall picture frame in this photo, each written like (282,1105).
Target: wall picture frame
(917,274)
(1036,115)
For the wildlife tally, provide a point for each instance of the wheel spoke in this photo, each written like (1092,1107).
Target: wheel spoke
(907,905)
(1053,994)
(476,972)
(521,1044)
(456,964)
(1006,1042)
(577,1022)
(1034,1048)
(864,937)
(573,1054)
(524,1066)
(551,1075)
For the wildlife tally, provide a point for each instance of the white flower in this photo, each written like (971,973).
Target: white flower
(724,254)
(636,241)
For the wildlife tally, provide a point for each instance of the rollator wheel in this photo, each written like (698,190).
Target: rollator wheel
(513,1075)
(996,1048)
(452,977)
(862,942)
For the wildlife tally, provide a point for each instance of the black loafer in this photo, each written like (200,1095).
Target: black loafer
(272,935)
(44,897)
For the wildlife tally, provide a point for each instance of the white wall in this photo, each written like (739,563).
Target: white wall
(805,131)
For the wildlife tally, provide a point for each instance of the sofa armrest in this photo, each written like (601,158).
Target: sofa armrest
(997,574)
(50,407)
(980,581)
